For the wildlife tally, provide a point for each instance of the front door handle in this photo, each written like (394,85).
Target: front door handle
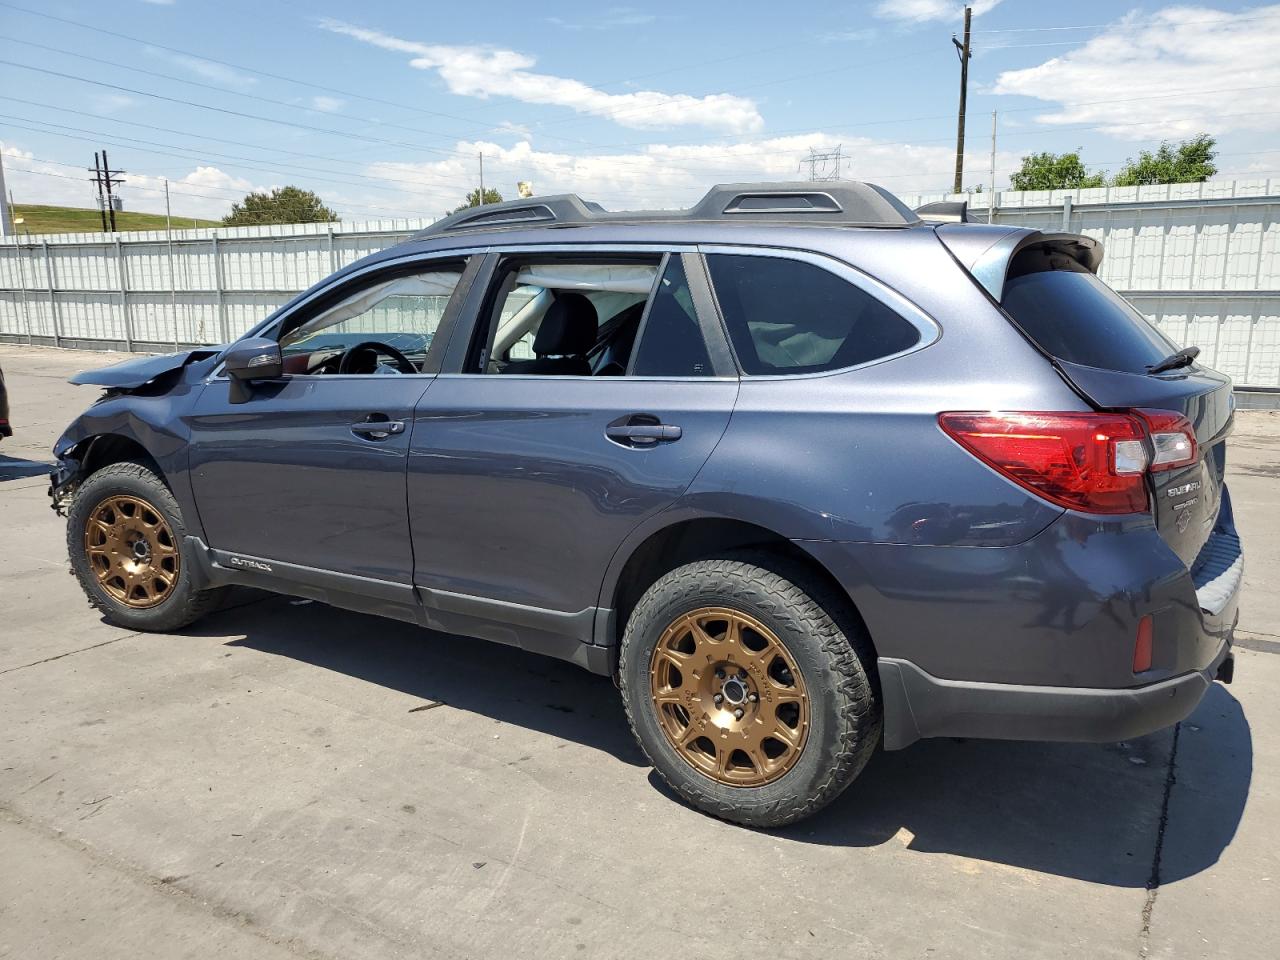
(377,427)
(641,430)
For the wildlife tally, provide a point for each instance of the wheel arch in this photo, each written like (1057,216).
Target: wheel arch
(104,449)
(655,552)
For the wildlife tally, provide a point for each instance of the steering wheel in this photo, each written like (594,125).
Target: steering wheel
(363,358)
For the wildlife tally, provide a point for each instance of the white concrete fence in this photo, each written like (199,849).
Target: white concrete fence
(1202,260)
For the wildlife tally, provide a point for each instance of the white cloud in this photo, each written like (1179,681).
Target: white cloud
(1193,52)
(611,19)
(111,102)
(922,11)
(327,104)
(666,176)
(475,71)
(216,72)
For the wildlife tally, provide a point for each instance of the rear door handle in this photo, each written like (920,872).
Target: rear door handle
(377,429)
(634,432)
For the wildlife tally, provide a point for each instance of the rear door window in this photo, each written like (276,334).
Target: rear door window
(671,342)
(790,316)
(1074,316)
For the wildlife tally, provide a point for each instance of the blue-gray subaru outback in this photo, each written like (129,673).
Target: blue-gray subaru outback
(804,473)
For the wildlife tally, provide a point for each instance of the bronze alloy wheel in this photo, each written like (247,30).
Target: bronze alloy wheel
(131,551)
(729,697)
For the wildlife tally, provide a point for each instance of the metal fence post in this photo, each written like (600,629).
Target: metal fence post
(124,296)
(53,303)
(333,254)
(1066,214)
(22,285)
(224,331)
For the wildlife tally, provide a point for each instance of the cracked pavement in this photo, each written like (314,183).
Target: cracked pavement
(288,780)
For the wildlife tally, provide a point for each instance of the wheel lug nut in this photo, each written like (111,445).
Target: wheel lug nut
(742,675)
(719,698)
(719,673)
(738,713)
(753,697)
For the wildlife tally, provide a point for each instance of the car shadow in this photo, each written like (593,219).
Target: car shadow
(1091,812)
(1094,812)
(16,468)
(505,683)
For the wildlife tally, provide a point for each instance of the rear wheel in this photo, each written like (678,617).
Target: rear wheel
(125,540)
(751,687)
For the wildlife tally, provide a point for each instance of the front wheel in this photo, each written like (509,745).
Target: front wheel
(751,687)
(125,540)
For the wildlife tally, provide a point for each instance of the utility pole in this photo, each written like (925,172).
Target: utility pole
(107,171)
(991,197)
(5,224)
(965,54)
(481,196)
(102,200)
(173,279)
(104,177)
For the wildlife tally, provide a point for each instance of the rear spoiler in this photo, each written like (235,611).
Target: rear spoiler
(988,252)
(947,211)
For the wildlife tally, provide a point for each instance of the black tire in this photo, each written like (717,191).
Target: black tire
(184,603)
(830,649)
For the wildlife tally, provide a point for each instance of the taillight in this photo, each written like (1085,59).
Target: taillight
(1094,462)
(1173,439)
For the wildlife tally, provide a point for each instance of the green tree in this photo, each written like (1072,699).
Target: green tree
(1188,162)
(473,199)
(281,205)
(1055,171)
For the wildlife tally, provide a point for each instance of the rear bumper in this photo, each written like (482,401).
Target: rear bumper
(918,705)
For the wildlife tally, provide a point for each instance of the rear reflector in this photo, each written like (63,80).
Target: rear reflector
(1094,462)
(1142,646)
(1173,439)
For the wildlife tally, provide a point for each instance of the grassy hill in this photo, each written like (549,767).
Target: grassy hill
(39,218)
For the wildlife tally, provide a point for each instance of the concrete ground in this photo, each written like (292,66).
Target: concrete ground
(286,780)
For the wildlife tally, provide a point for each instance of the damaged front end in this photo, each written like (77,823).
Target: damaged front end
(63,481)
(133,417)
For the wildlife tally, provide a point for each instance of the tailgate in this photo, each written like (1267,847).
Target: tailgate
(1187,499)
(1106,350)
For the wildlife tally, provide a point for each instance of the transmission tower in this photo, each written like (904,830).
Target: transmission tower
(824,165)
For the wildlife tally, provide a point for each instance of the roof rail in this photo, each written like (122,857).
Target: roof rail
(846,203)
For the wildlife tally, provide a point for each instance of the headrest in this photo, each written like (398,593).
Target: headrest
(568,328)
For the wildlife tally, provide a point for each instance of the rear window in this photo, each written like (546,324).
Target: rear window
(1076,317)
(788,316)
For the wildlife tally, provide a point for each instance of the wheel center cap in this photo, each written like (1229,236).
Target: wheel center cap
(141,549)
(735,691)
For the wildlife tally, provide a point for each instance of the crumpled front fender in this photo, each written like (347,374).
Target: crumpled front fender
(140,371)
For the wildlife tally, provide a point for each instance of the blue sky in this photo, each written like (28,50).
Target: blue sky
(383,107)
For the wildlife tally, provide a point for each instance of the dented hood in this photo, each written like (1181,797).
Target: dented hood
(141,370)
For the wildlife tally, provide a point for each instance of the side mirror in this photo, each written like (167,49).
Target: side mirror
(255,358)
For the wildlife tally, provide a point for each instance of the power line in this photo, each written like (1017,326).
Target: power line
(205,106)
(224,90)
(1227,19)
(226,196)
(234,66)
(211,156)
